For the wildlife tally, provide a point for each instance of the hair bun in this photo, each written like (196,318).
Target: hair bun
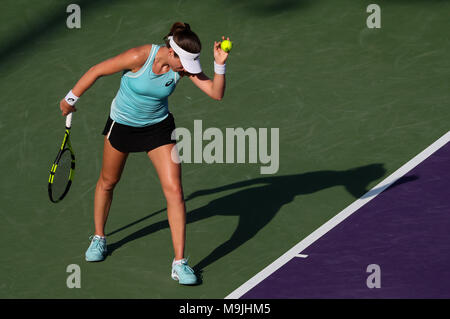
(184,37)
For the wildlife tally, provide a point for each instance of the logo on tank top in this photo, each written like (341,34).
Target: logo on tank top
(169,82)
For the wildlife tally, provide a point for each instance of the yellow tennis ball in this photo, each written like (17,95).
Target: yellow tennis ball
(226,45)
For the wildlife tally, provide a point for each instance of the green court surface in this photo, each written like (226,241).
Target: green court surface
(352,105)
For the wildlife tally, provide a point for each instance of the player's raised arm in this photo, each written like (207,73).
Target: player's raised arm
(215,88)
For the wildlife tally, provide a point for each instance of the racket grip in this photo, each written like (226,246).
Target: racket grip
(69,120)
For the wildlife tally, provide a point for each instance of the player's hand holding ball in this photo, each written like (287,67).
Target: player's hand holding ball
(221,50)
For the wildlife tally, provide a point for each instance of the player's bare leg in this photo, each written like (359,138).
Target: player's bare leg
(112,167)
(169,174)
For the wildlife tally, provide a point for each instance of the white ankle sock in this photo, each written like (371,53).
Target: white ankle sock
(177,262)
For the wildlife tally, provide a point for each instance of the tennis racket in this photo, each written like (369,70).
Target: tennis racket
(63,168)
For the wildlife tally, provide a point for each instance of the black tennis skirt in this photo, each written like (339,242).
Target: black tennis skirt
(128,139)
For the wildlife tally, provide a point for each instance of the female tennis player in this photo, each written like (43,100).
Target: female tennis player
(140,121)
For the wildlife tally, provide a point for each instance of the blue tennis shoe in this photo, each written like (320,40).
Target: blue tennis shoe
(183,273)
(97,249)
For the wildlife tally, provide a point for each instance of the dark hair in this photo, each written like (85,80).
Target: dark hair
(184,37)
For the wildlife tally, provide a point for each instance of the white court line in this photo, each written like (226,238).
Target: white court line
(333,222)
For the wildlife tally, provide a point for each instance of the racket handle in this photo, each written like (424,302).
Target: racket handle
(69,120)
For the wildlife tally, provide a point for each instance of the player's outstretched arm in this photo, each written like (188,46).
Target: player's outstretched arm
(131,59)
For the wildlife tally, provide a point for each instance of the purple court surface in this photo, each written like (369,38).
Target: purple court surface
(405,231)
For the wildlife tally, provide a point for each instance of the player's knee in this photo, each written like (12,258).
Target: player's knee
(173,193)
(107,183)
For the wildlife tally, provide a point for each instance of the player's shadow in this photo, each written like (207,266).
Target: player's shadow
(258,200)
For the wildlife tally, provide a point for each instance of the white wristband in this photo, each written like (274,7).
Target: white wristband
(219,68)
(71,98)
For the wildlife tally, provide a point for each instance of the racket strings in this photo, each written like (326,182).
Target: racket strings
(62,174)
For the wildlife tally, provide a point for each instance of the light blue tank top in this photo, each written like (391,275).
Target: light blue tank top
(142,98)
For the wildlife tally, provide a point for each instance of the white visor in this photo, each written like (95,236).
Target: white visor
(190,61)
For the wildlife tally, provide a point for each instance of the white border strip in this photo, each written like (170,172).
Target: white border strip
(110,129)
(333,222)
